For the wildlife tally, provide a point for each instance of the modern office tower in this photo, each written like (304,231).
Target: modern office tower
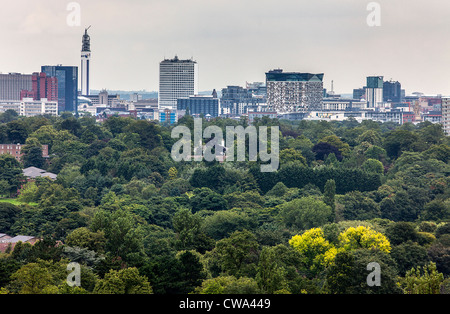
(374,92)
(42,87)
(177,79)
(445,120)
(67,85)
(206,105)
(293,92)
(85,63)
(392,91)
(12,84)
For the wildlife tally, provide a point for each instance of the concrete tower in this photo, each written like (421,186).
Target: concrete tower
(85,63)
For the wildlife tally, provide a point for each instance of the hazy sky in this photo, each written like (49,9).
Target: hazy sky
(234,41)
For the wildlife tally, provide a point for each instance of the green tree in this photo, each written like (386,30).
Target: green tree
(270,276)
(124,281)
(237,252)
(329,194)
(228,285)
(305,213)
(422,280)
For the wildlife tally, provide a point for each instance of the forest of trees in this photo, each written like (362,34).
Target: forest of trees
(346,194)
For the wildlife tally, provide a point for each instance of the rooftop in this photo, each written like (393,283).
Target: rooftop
(33,172)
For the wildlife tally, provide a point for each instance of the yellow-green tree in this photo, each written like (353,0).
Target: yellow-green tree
(317,252)
(173,173)
(363,237)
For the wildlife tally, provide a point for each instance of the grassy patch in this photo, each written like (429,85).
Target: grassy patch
(14,201)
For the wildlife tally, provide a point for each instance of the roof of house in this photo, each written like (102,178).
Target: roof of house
(34,172)
(20,238)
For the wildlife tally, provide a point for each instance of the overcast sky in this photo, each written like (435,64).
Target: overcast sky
(234,41)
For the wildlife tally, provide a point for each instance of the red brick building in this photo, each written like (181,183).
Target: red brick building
(16,150)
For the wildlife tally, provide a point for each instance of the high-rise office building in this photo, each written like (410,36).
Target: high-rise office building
(392,91)
(177,79)
(293,92)
(12,84)
(374,91)
(85,63)
(67,85)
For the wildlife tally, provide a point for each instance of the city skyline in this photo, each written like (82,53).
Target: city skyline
(234,42)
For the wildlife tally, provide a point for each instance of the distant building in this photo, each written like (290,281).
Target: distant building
(359,93)
(253,115)
(292,92)
(15,150)
(67,86)
(374,91)
(9,242)
(85,63)
(103,98)
(28,107)
(33,173)
(333,104)
(12,84)
(392,92)
(168,116)
(42,87)
(177,79)
(446,114)
(200,105)
(239,100)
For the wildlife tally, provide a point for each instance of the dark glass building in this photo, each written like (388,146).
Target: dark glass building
(67,86)
(392,91)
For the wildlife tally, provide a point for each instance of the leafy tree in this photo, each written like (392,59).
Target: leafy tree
(11,172)
(373,165)
(305,213)
(348,274)
(329,195)
(29,193)
(237,252)
(207,199)
(124,281)
(8,215)
(364,237)
(290,154)
(32,278)
(322,150)
(317,253)
(270,276)
(422,280)
(84,238)
(357,206)
(228,285)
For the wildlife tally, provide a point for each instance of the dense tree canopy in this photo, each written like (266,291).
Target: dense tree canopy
(346,194)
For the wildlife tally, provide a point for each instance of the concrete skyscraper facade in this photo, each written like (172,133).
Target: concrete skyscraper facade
(12,84)
(85,63)
(374,92)
(177,79)
(446,114)
(293,92)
